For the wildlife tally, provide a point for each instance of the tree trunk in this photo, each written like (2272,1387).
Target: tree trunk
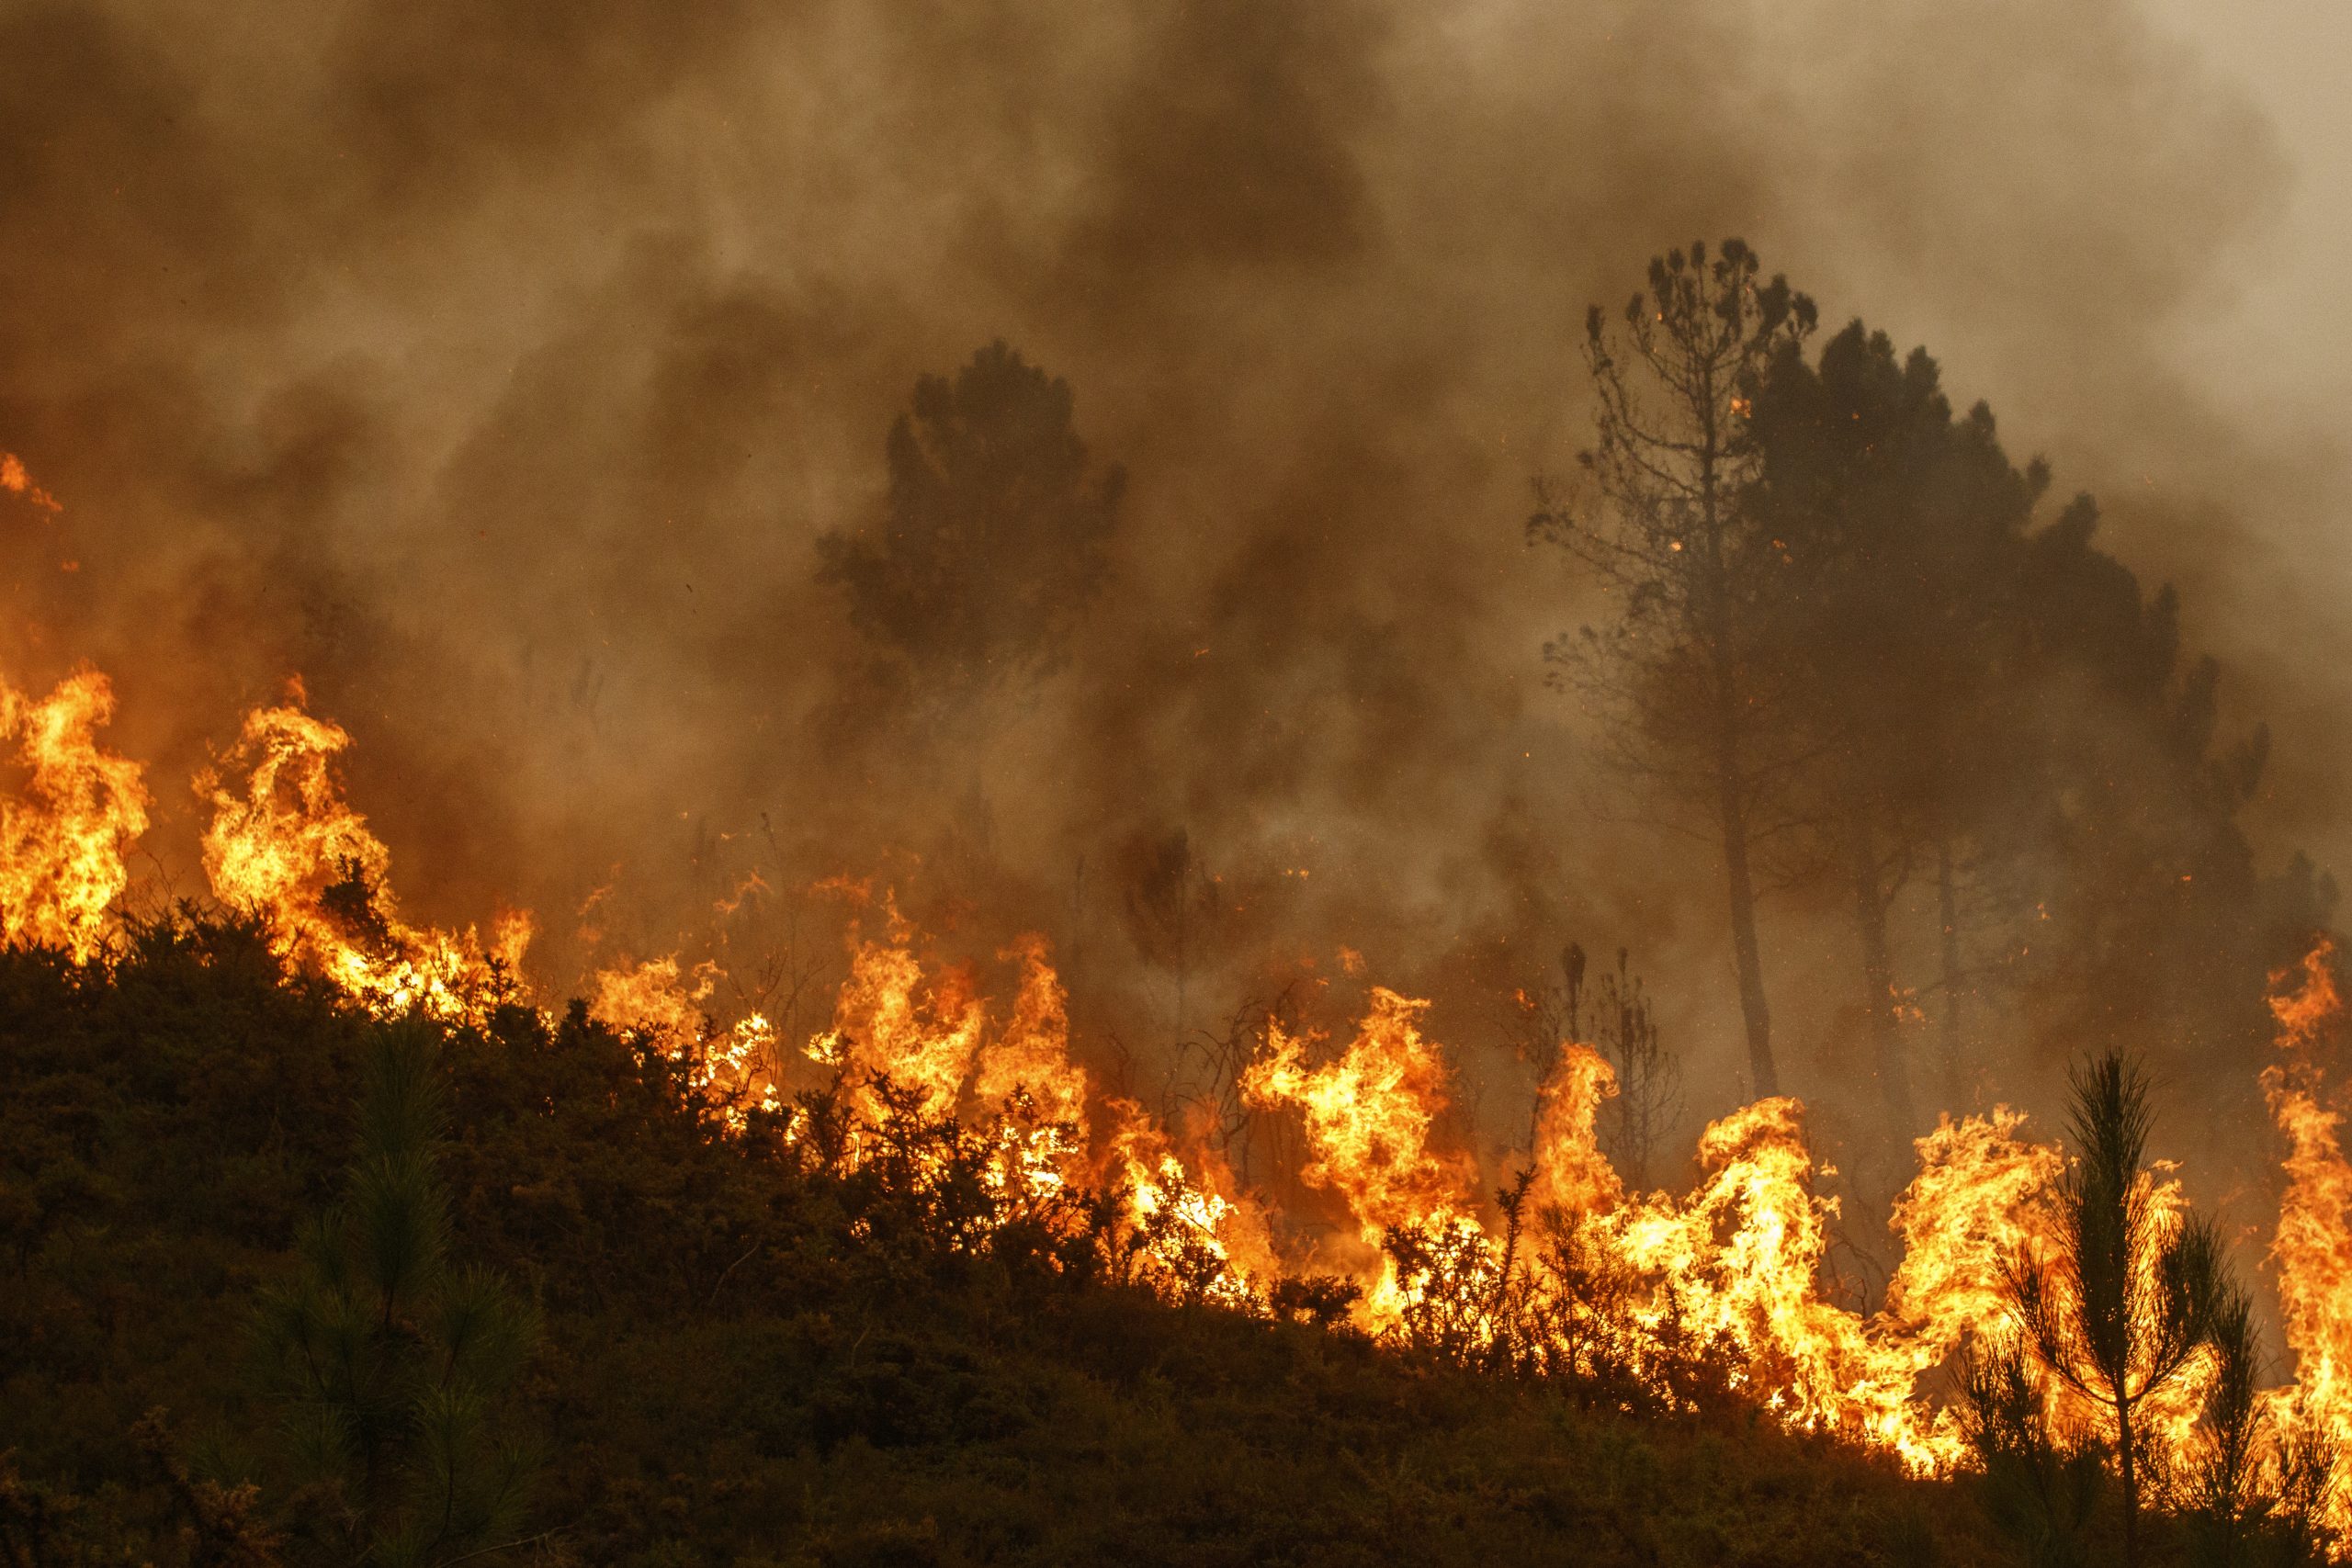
(1878,977)
(1746,953)
(1732,805)
(2124,1463)
(1947,913)
(1730,783)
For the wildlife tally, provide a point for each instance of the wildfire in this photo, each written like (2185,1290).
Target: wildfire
(1732,1271)
(2312,1247)
(1571,1173)
(62,844)
(1734,1266)
(735,1069)
(892,1024)
(290,850)
(1197,1237)
(1369,1116)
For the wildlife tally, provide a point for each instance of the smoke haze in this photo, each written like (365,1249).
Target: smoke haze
(496,367)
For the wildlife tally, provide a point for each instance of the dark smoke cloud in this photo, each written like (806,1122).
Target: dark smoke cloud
(497,366)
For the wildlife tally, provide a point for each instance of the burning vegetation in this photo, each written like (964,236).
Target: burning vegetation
(2054,1306)
(1840,647)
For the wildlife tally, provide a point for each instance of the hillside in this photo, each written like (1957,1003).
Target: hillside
(747,1358)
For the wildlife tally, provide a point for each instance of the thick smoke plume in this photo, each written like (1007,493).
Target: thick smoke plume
(498,367)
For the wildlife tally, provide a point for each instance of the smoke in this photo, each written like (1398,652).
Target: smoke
(496,367)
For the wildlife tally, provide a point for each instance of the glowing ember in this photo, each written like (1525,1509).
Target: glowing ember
(15,481)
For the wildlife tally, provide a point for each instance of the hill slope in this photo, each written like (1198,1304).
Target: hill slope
(751,1360)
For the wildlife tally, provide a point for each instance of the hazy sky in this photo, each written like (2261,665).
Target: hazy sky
(497,367)
(2292,330)
(2276,344)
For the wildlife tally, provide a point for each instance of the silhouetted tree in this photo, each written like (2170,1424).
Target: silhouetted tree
(2149,920)
(992,536)
(1996,705)
(1684,675)
(386,1361)
(2219,1488)
(2121,1305)
(2040,1488)
(1904,532)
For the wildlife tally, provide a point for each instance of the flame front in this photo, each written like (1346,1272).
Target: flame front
(734,1070)
(62,845)
(2313,1246)
(1731,1273)
(288,850)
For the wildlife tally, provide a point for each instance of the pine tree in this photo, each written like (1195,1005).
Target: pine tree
(385,1360)
(2122,1307)
(993,536)
(1684,678)
(2040,1488)
(2260,1475)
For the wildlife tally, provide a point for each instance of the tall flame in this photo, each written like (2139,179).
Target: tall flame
(290,850)
(1369,1114)
(1735,1268)
(2313,1246)
(62,845)
(891,1021)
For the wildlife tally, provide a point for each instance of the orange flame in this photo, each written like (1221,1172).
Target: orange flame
(889,1022)
(1735,1266)
(15,481)
(1199,1238)
(62,846)
(2313,1246)
(734,1069)
(1571,1172)
(1369,1114)
(290,850)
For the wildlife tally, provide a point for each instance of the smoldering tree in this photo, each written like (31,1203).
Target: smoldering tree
(992,536)
(1683,678)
